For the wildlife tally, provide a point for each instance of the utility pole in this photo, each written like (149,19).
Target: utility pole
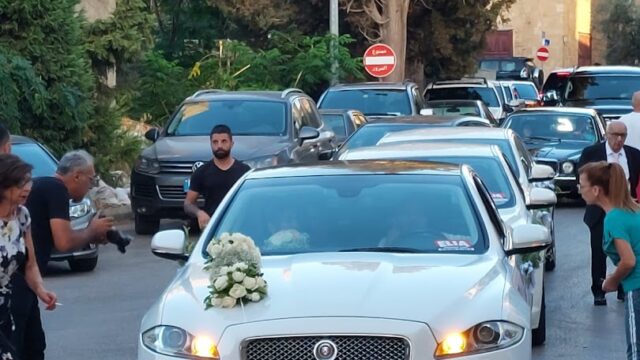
(333,28)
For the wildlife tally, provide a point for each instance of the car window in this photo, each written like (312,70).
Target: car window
(311,113)
(244,117)
(486,94)
(43,164)
(369,101)
(507,92)
(336,123)
(452,108)
(523,154)
(369,135)
(336,213)
(553,127)
(489,64)
(508,65)
(359,120)
(500,94)
(490,207)
(526,91)
(602,87)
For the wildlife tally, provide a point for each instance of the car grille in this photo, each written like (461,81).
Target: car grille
(171,192)
(144,191)
(552,163)
(176,167)
(349,348)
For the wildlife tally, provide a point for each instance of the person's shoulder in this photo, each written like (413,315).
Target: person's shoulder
(47,183)
(241,165)
(631,150)
(593,148)
(617,215)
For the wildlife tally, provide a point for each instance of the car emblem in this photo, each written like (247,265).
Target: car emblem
(196,165)
(325,350)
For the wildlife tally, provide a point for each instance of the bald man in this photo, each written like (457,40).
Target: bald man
(632,121)
(613,150)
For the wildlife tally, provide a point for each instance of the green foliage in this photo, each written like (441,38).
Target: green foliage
(622,30)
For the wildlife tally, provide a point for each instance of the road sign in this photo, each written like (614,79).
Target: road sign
(379,60)
(542,54)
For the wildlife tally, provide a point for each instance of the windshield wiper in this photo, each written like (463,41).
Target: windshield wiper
(542,138)
(389,249)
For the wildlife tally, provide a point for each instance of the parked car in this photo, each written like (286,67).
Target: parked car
(342,122)
(556,136)
(374,98)
(269,128)
(606,89)
(461,108)
(468,89)
(529,173)
(527,91)
(514,68)
(556,81)
(45,164)
(514,205)
(376,128)
(350,212)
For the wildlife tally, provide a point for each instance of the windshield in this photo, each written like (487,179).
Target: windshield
(369,102)
(486,94)
(526,91)
(335,122)
(244,117)
(417,213)
(43,164)
(602,87)
(553,127)
(369,135)
(453,108)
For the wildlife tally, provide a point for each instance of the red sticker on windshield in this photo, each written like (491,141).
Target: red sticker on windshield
(454,245)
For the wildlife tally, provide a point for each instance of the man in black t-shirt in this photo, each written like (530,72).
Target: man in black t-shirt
(215,178)
(48,204)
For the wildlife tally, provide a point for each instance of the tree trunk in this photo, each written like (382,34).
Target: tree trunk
(394,34)
(415,71)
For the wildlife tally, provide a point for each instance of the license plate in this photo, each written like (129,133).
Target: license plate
(185,185)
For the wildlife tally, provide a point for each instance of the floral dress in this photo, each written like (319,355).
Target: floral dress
(12,256)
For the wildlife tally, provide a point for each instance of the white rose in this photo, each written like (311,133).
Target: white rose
(241,266)
(250,283)
(238,276)
(255,296)
(221,282)
(228,302)
(260,282)
(216,301)
(224,270)
(237,291)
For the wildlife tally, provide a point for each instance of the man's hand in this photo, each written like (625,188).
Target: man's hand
(48,298)
(203,219)
(610,285)
(99,227)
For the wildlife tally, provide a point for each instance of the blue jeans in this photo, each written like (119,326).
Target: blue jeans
(633,324)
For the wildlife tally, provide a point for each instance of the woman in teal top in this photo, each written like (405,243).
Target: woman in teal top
(606,185)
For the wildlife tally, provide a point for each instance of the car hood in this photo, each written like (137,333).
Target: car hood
(436,288)
(198,148)
(605,107)
(558,151)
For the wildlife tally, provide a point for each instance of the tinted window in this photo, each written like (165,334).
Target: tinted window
(244,117)
(452,108)
(553,127)
(602,87)
(335,122)
(43,164)
(336,213)
(369,102)
(507,92)
(487,95)
(508,66)
(527,92)
(555,82)
(489,64)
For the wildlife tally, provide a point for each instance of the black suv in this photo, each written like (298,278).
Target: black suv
(269,128)
(514,68)
(375,98)
(606,89)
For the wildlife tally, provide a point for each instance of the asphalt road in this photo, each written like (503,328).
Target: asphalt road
(101,311)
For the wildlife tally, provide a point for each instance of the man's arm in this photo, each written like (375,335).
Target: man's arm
(190,203)
(585,157)
(66,239)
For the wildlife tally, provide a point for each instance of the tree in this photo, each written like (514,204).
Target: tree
(621,27)
(22,92)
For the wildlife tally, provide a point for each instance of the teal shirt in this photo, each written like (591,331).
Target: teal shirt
(625,225)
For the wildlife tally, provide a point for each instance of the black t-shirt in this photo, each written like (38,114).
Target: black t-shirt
(49,199)
(213,183)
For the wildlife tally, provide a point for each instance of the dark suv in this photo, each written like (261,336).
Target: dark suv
(514,68)
(375,98)
(269,128)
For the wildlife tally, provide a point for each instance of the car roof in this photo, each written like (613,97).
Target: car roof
(607,70)
(401,150)
(217,94)
(337,111)
(522,82)
(462,132)
(420,119)
(556,109)
(357,167)
(371,85)
(17,139)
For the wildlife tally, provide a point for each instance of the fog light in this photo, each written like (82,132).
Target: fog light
(204,346)
(454,344)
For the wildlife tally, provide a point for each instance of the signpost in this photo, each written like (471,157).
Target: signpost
(542,54)
(379,60)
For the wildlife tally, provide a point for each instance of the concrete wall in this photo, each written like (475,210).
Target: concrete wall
(97,9)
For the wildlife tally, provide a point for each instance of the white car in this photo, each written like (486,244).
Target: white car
(468,89)
(527,171)
(402,260)
(514,205)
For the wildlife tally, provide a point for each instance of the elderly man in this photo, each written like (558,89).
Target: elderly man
(632,121)
(48,204)
(613,150)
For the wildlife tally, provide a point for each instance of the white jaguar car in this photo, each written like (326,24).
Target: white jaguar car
(392,260)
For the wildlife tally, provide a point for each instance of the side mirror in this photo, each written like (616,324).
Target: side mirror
(541,198)
(528,238)
(508,107)
(550,95)
(152,134)
(426,112)
(308,133)
(515,103)
(541,172)
(169,244)
(326,155)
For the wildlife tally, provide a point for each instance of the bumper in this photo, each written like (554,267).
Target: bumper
(88,252)
(159,195)
(566,185)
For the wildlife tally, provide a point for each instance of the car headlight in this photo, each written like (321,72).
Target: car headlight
(147,165)
(174,341)
(261,162)
(484,337)
(80,209)
(567,167)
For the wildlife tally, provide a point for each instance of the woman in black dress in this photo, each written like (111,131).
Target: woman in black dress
(16,245)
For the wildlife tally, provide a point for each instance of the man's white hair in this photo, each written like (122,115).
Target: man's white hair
(73,161)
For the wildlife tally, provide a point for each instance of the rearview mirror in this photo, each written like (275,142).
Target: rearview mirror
(541,172)
(426,112)
(541,198)
(528,238)
(169,244)
(152,134)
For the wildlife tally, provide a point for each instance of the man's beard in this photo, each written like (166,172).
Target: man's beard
(221,154)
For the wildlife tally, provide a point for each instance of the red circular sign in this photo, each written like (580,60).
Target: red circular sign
(542,54)
(379,60)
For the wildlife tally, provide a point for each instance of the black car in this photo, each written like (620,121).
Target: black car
(45,164)
(342,122)
(377,127)
(552,88)
(269,128)
(514,68)
(374,98)
(607,89)
(556,136)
